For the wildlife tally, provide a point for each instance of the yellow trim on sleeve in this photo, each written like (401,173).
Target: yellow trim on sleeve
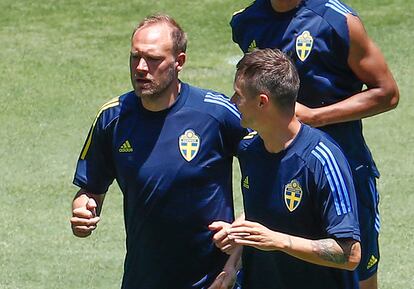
(109,104)
(241,10)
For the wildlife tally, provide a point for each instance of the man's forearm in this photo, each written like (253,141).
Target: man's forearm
(326,252)
(364,104)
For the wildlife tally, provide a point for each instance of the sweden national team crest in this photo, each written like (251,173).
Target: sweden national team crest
(293,195)
(189,144)
(304,44)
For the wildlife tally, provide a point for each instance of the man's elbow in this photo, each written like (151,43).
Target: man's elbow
(395,98)
(352,265)
(390,96)
(354,257)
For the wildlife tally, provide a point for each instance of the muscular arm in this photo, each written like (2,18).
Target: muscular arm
(86,208)
(367,62)
(337,253)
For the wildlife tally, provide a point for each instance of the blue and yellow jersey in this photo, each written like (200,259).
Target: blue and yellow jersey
(306,190)
(174,168)
(315,35)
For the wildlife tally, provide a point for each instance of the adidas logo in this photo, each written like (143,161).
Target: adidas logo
(252,46)
(126,148)
(372,261)
(246,182)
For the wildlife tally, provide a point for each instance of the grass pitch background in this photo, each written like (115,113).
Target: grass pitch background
(61,60)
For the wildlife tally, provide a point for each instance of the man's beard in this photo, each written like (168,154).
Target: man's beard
(156,90)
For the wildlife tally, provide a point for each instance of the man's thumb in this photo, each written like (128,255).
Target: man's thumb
(215,226)
(91,206)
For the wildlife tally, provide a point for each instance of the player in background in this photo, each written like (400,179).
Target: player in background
(301,228)
(335,58)
(169,146)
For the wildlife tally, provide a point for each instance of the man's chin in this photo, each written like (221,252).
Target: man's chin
(145,93)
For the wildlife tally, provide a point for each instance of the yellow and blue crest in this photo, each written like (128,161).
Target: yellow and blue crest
(304,44)
(189,143)
(293,195)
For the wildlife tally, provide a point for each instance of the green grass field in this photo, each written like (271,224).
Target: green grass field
(61,60)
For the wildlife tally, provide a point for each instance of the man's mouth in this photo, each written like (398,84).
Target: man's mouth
(142,81)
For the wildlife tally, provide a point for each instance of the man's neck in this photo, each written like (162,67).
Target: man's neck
(164,101)
(284,5)
(278,138)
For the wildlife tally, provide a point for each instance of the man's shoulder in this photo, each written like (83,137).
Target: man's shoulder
(329,8)
(250,142)
(210,102)
(325,8)
(252,7)
(316,145)
(253,10)
(333,12)
(111,109)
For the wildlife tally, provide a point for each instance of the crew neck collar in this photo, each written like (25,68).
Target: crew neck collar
(178,103)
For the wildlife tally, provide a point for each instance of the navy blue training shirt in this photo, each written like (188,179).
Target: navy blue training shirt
(305,190)
(174,168)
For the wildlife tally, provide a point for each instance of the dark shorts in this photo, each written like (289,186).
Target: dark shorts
(369,220)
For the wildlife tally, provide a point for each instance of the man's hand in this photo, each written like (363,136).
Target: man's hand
(84,218)
(306,115)
(220,238)
(253,234)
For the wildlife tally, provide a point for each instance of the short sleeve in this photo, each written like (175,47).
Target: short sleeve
(336,197)
(94,170)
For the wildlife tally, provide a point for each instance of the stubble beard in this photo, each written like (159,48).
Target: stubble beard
(156,90)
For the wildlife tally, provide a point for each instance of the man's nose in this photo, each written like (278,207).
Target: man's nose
(142,65)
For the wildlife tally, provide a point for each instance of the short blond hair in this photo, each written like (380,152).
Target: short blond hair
(178,35)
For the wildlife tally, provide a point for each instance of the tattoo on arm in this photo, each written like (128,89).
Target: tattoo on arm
(325,249)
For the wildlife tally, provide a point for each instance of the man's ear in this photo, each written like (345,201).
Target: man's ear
(180,60)
(263,100)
